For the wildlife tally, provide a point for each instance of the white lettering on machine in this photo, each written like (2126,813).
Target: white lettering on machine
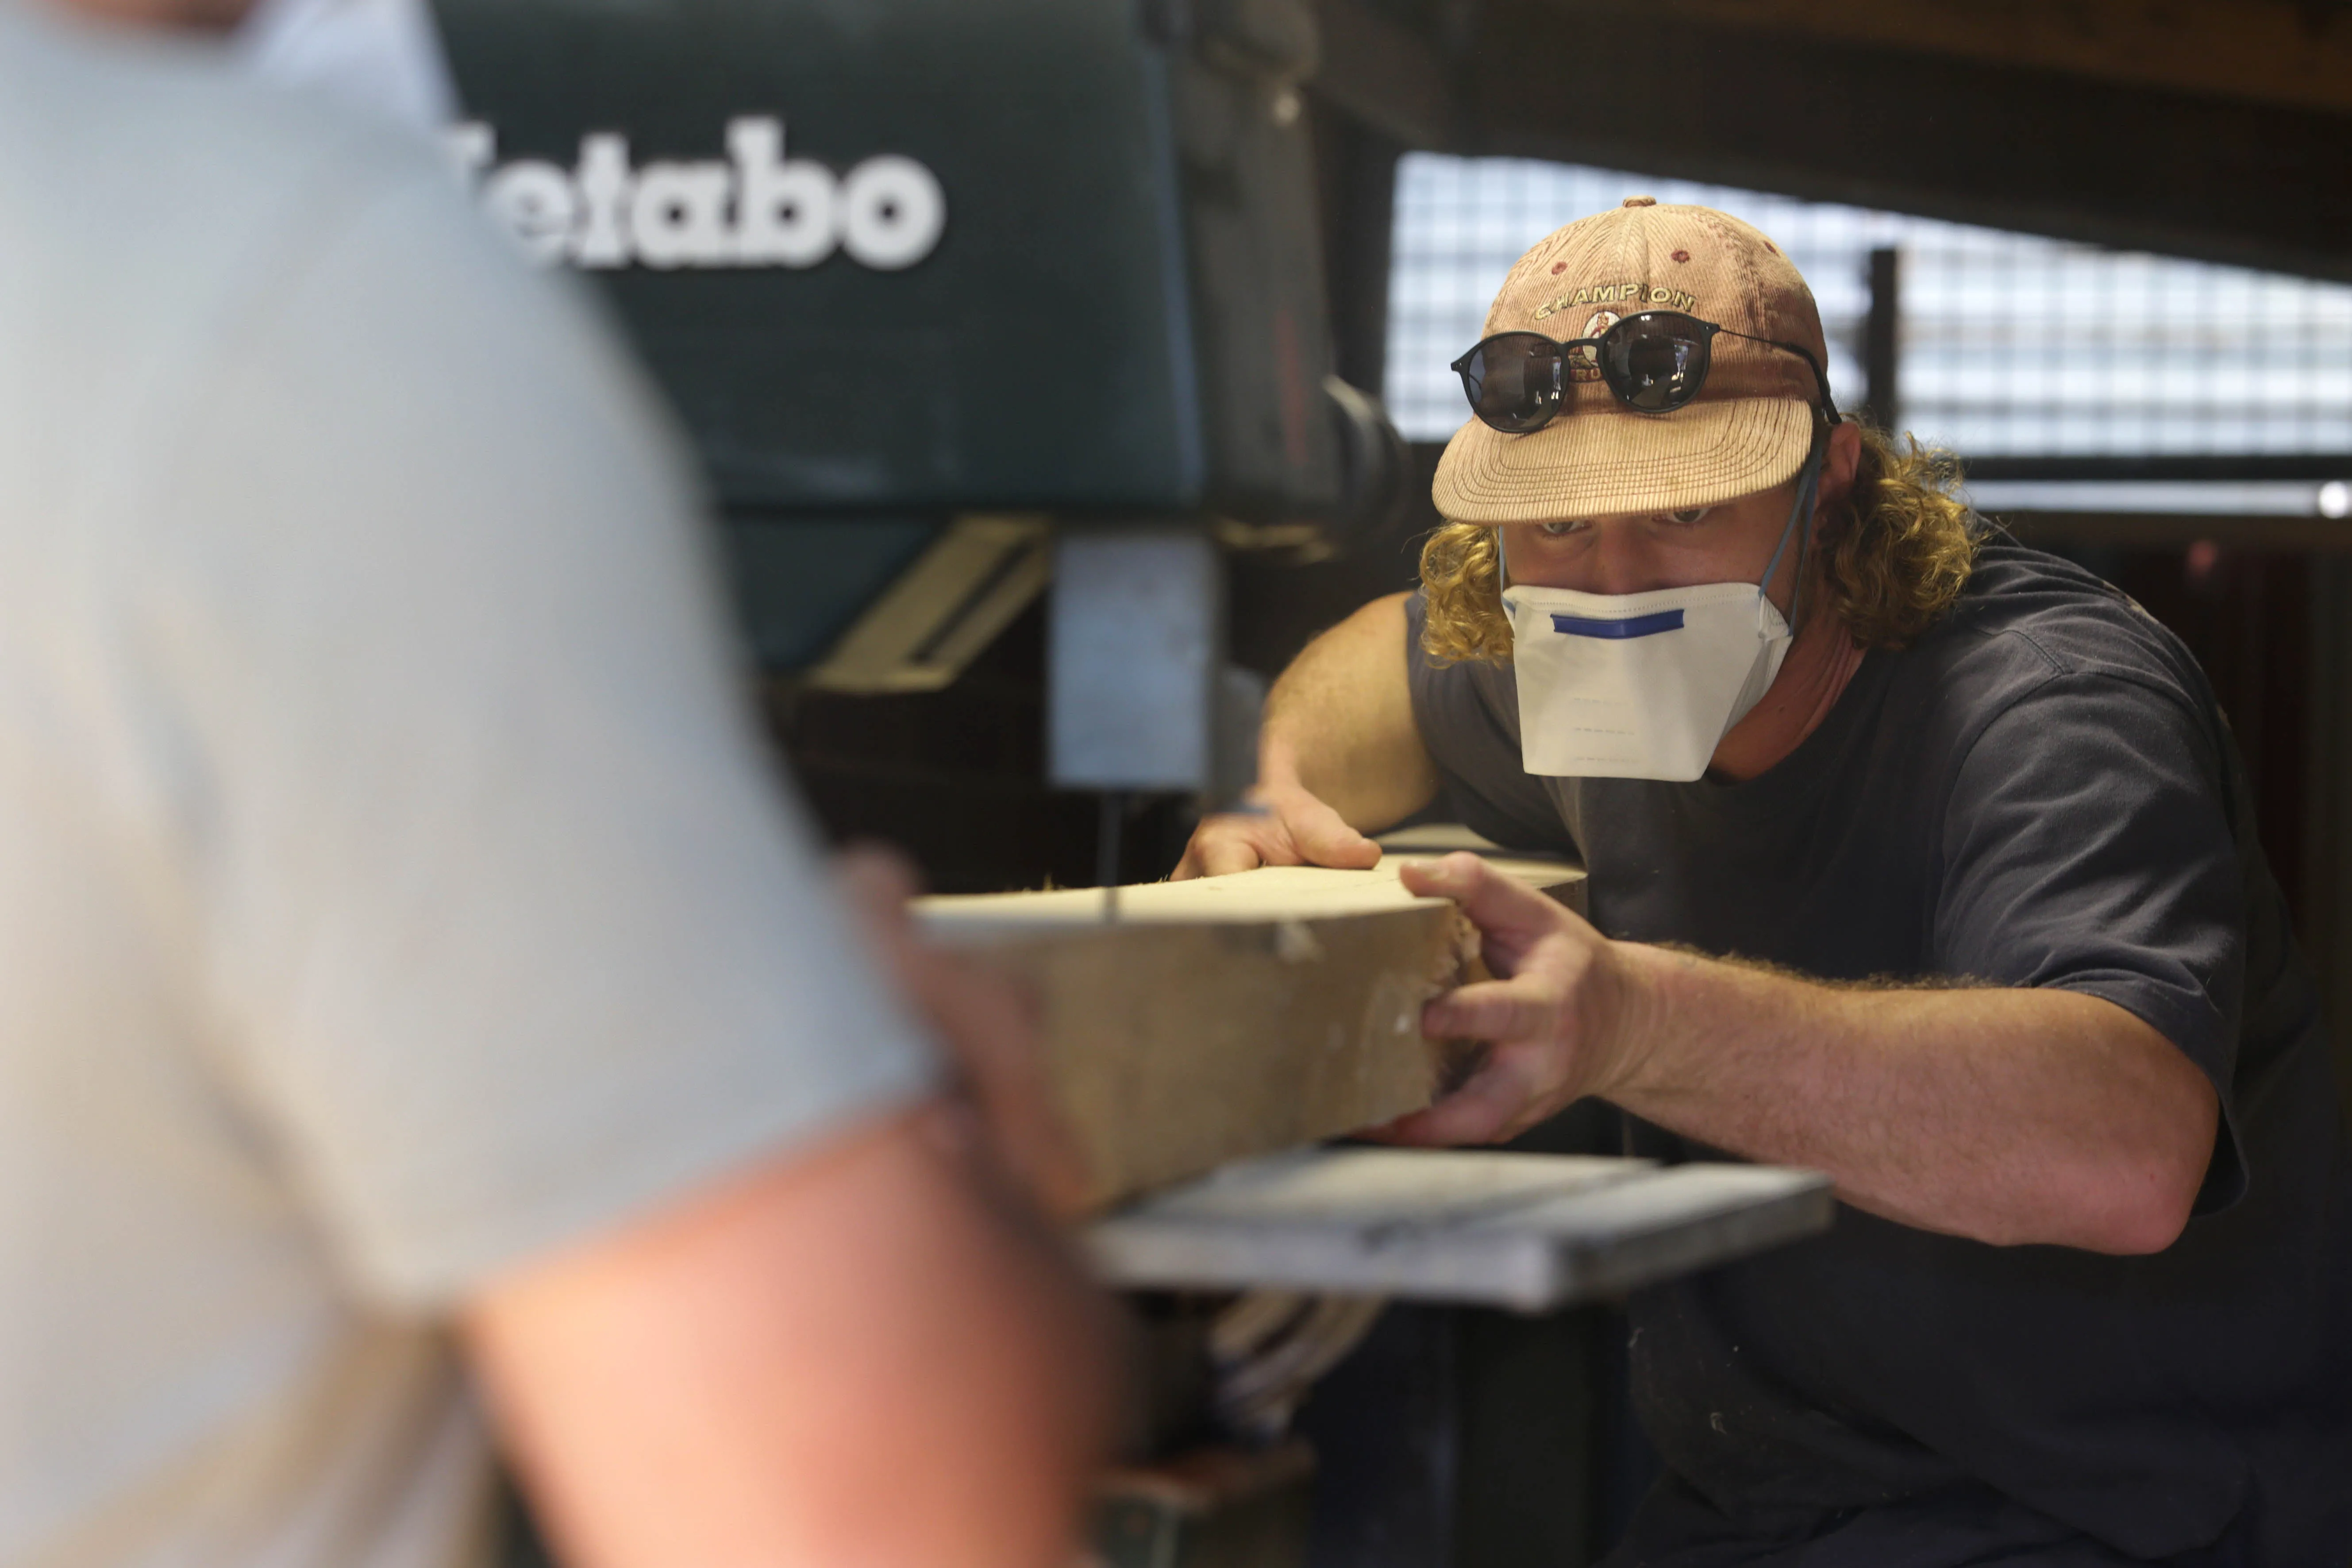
(755,209)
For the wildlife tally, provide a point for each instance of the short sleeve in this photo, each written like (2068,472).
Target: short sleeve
(1468,717)
(507,929)
(2087,845)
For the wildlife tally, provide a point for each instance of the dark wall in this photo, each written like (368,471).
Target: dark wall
(2272,630)
(957,778)
(2246,614)
(1683,90)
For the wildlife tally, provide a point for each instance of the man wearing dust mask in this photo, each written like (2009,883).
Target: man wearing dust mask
(1915,856)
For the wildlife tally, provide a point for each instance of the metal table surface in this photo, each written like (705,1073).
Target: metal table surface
(1526,1232)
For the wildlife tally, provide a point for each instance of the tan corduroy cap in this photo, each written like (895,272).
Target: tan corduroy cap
(1750,427)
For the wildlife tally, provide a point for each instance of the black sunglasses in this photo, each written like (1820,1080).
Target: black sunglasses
(1654,361)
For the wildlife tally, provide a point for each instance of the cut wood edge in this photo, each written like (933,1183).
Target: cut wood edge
(1269,893)
(1232,1016)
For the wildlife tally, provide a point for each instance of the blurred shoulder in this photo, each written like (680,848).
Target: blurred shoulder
(111,132)
(152,192)
(191,255)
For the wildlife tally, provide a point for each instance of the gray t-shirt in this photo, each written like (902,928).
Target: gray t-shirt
(393,888)
(2040,791)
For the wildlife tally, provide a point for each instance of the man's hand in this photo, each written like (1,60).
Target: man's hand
(989,1027)
(1291,827)
(1555,1016)
(1339,756)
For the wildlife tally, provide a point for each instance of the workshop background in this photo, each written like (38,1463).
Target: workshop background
(2101,251)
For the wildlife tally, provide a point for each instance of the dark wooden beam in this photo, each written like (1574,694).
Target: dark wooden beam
(2034,150)
(2292,52)
(1662,90)
(1355,174)
(2321,536)
(1881,340)
(1385,73)
(2249,468)
(2325,922)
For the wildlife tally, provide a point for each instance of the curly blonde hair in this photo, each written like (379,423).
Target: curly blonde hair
(1895,557)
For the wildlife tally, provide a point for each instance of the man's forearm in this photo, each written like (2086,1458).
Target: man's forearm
(2006,1115)
(1339,724)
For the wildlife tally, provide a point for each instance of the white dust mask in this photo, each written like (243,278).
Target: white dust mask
(1642,686)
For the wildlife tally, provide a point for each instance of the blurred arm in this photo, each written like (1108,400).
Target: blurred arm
(848,1357)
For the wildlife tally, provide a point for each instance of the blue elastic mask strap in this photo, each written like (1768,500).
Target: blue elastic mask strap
(1808,485)
(1502,562)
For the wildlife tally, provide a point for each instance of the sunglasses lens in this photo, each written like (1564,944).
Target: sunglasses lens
(1657,361)
(1515,381)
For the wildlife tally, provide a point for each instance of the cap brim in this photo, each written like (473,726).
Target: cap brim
(1593,465)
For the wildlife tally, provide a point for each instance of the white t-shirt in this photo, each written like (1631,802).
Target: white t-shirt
(382,56)
(390,884)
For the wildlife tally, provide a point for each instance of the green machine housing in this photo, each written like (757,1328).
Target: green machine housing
(932,281)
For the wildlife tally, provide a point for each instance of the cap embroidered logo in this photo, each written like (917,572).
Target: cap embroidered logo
(1634,296)
(1583,365)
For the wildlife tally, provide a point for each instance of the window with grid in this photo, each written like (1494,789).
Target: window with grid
(2010,345)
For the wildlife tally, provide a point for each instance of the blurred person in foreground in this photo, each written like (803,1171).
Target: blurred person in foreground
(410,978)
(2000,948)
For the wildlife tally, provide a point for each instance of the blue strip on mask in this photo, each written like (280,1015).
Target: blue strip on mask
(1633,626)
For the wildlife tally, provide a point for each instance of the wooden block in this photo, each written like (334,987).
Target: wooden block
(1228,1017)
(1563,880)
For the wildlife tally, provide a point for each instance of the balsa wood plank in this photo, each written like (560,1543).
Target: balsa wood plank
(1228,1017)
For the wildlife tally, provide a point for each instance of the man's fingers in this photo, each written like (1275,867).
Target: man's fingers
(1497,904)
(1223,859)
(1224,845)
(990,1021)
(986,1020)
(1514,1009)
(1245,850)
(1324,837)
(1494,1105)
(982,1007)
(1291,829)
(1195,862)
(877,880)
